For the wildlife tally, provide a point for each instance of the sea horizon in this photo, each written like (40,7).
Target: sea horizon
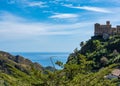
(43,58)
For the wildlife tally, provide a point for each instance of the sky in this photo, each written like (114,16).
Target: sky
(52,25)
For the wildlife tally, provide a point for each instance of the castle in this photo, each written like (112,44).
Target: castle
(107,29)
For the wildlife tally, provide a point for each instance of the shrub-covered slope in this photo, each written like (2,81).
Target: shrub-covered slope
(101,52)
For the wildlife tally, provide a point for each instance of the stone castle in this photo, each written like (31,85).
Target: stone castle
(107,29)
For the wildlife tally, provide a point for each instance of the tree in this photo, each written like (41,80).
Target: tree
(82,44)
(59,63)
(76,51)
(104,61)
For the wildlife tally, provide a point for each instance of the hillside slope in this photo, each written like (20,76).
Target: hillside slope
(18,71)
(102,52)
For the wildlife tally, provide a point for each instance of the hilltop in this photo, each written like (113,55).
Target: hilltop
(102,51)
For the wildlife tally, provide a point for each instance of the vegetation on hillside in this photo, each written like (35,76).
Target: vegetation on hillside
(85,67)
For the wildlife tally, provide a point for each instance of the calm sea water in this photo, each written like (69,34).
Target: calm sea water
(44,58)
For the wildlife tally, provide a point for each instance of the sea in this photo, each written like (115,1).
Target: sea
(44,58)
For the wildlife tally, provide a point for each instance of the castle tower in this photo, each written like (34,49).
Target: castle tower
(108,29)
(107,22)
(97,29)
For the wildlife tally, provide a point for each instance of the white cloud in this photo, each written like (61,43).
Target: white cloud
(89,8)
(15,27)
(37,4)
(106,1)
(64,16)
(6,16)
(9,28)
(28,3)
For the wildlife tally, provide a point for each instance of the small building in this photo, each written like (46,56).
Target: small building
(114,74)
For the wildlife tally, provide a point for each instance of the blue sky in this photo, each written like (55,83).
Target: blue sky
(52,25)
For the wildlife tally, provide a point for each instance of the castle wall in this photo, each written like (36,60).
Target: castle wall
(114,31)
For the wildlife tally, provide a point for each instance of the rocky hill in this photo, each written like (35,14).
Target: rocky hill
(18,62)
(17,69)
